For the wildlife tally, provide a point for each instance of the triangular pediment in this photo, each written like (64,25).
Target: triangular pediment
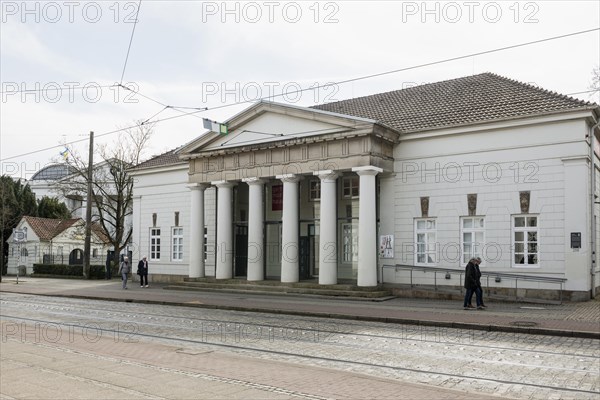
(269,123)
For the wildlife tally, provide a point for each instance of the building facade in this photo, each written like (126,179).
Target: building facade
(375,188)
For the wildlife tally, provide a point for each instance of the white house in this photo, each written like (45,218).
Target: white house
(54,241)
(388,187)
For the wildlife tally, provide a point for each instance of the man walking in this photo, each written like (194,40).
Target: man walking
(142,271)
(124,269)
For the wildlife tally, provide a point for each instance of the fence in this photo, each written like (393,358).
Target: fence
(498,280)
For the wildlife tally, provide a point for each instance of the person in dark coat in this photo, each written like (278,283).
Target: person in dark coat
(478,289)
(142,271)
(470,284)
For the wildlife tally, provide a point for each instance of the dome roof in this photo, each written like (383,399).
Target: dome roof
(53,172)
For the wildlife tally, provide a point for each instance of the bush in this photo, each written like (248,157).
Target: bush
(96,271)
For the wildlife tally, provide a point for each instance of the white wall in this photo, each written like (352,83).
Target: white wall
(548,159)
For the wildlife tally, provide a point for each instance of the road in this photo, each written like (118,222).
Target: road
(101,349)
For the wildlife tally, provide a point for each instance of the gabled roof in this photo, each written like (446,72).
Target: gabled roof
(49,228)
(170,157)
(473,99)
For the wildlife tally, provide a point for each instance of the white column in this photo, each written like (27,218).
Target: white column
(328,228)
(367,226)
(196,245)
(256,219)
(290,254)
(224,245)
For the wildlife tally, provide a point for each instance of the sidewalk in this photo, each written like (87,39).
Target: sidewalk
(568,319)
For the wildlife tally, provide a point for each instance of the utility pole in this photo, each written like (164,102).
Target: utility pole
(88,212)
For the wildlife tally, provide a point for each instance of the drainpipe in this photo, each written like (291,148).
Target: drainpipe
(592,209)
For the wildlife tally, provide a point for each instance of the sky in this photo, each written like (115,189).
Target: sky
(61,61)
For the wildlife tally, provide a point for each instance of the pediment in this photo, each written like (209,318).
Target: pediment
(269,123)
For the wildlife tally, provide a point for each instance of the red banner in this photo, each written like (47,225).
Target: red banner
(277,198)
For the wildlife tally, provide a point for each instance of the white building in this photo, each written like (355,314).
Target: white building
(54,241)
(415,179)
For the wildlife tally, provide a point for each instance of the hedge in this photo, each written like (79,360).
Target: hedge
(96,271)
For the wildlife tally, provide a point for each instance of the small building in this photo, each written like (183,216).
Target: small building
(385,188)
(54,241)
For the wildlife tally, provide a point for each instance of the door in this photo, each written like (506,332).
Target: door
(305,257)
(241,250)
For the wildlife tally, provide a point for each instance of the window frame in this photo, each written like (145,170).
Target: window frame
(475,244)
(316,191)
(426,232)
(175,246)
(526,230)
(351,179)
(153,236)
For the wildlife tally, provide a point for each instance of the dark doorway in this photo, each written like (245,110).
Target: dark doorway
(76,257)
(304,257)
(241,250)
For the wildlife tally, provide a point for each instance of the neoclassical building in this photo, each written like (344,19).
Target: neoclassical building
(425,177)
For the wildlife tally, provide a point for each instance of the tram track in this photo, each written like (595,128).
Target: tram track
(316,358)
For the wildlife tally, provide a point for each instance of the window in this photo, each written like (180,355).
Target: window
(95,253)
(525,240)
(350,186)
(155,244)
(205,243)
(177,248)
(314,190)
(349,244)
(472,236)
(24,252)
(425,237)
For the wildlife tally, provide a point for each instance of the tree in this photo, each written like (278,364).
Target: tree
(51,207)
(595,83)
(112,186)
(17,200)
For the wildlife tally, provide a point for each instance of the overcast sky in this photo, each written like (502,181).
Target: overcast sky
(214,54)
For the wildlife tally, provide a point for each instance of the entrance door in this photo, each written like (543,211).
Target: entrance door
(304,257)
(241,250)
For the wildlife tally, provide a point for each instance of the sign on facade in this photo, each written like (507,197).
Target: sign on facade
(386,246)
(19,235)
(277,198)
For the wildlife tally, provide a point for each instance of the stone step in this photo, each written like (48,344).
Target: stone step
(272,289)
(242,283)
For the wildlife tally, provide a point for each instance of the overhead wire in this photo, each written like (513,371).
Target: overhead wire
(184,114)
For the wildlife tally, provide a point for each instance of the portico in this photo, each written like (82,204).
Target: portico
(295,200)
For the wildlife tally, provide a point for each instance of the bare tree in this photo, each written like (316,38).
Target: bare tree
(112,186)
(595,83)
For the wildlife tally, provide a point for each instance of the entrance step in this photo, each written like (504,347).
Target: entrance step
(274,287)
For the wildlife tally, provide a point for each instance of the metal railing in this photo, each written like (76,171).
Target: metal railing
(485,275)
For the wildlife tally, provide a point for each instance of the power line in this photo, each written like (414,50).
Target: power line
(315,87)
(131,40)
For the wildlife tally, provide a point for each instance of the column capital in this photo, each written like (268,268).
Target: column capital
(197,186)
(254,181)
(327,175)
(367,170)
(293,178)
(223,184)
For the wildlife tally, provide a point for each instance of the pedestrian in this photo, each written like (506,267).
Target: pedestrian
(124,269)
(108,274)
(142,271)
(479,289)
(470,284)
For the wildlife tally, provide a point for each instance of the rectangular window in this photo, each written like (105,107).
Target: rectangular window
(425,239)
(95,253)
(177,247)
(155,244)
(472,237)
(349,244)
(525,235)
(205,243)
(314,190)
(350,187)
